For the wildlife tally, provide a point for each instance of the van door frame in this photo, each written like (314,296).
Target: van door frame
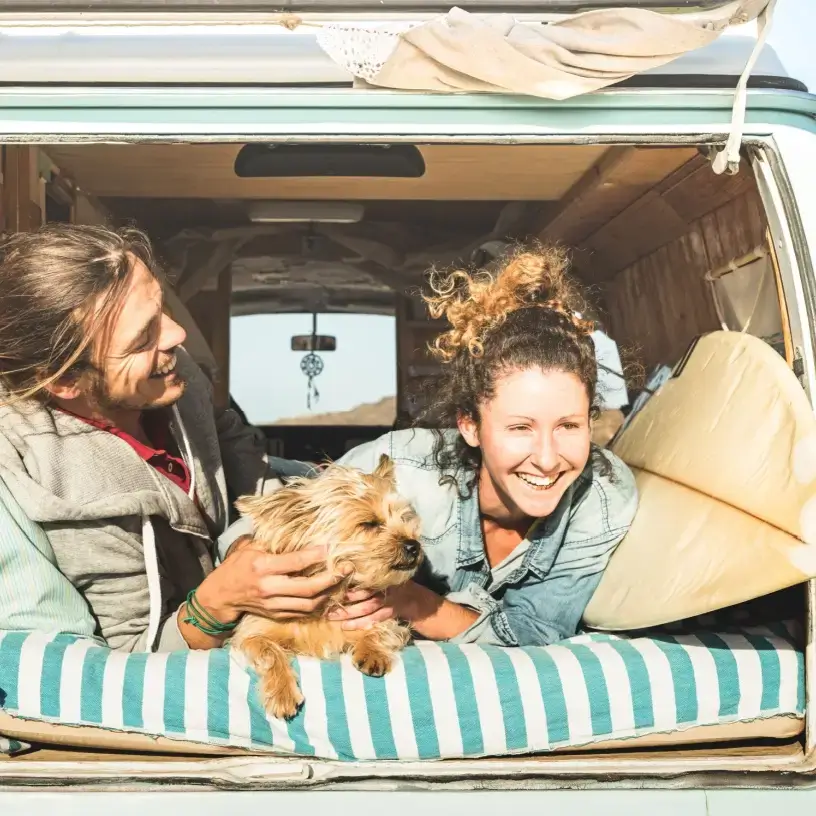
(45,115)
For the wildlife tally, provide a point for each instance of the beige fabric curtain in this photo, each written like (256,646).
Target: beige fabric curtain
(463,52)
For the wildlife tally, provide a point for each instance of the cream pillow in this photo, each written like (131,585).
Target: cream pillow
(724,455)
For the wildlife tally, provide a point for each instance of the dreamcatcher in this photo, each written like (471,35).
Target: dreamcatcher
(312,366)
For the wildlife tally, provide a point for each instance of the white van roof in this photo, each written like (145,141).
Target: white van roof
(76,53)
(347,7)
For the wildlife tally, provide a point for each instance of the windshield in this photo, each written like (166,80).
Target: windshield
(357,385)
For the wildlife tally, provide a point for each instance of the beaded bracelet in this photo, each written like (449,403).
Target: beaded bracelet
(202,620)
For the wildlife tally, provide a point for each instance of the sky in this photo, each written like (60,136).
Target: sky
(265,374)
(791,36)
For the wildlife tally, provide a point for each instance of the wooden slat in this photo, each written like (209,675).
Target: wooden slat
(642,227)
(617,180)
(11,182)
(664,213)
(694,190)
(453,172)
(19,193)
(661,301)
(734,229)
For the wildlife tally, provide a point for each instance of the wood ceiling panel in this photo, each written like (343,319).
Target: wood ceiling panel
(453,172)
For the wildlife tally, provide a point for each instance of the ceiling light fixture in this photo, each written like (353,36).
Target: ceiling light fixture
(288,212)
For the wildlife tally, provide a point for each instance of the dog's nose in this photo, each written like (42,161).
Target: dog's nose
(411,548)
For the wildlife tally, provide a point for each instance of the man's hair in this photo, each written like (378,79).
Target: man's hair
(61,288)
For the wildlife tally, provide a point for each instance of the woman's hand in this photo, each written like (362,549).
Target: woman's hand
(362,609)
(427,613)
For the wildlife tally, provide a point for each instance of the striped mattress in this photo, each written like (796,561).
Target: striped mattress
(441,700)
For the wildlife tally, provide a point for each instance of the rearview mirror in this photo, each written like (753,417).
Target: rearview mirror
(311,342)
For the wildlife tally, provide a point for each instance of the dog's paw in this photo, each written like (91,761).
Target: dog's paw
(282,700)
(372,662)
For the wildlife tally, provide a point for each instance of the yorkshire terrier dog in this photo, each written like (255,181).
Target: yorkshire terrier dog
(364,524)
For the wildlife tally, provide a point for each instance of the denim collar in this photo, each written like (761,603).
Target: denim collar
(471,542)
(542,535)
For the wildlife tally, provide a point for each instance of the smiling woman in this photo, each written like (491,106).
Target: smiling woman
(529,512)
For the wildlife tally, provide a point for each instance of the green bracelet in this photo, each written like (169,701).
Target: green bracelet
(202,620)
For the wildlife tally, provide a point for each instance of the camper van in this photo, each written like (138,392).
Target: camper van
(299,170)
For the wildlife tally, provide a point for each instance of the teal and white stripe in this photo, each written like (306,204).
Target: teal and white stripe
(440,701)
(9,746)
(27,559)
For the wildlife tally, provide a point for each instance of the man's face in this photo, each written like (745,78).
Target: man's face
(138,361)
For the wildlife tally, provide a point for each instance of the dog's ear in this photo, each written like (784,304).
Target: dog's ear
(385,468)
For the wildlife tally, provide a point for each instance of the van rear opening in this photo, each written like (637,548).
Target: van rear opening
(266,266)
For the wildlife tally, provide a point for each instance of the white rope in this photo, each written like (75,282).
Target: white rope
(728,159)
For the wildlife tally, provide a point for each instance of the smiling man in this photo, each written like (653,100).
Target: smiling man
(109,441)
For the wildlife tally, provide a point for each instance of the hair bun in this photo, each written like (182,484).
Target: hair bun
(476,303)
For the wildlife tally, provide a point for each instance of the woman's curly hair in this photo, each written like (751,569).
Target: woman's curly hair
(522,312)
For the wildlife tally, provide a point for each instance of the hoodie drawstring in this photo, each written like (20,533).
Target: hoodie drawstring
(151,559)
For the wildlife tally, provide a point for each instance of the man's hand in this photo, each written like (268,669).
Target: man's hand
(273,586)
(240,544)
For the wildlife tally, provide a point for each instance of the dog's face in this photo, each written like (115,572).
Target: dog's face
(359,517)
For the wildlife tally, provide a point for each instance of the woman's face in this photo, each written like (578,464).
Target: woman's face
(534,436)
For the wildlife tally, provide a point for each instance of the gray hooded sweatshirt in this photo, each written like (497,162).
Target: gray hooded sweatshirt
(129,539)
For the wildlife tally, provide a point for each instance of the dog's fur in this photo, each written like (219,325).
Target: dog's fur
(364,523)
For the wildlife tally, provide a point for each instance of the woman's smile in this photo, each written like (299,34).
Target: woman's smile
(539,482)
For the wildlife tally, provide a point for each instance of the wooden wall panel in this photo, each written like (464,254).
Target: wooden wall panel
(20,189)
(662,214)
(734,229)
(659,303)
(618,179)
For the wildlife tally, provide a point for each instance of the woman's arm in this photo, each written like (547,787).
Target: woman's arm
(428,614)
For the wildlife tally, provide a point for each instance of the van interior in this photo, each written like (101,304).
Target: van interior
(277,250)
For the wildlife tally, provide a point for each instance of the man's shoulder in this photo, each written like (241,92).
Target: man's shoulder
(413,447)
(196,402)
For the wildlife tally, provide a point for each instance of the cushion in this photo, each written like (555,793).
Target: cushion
(441,701)
(27,560)
(724,455)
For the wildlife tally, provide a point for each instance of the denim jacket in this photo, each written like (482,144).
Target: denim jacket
(538,594)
